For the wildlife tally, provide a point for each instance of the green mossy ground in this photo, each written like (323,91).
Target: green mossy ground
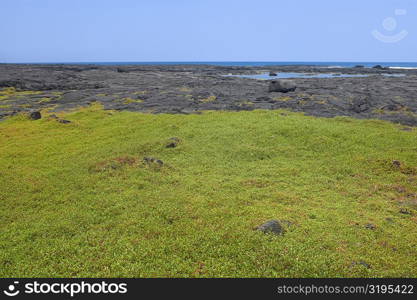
(77,199)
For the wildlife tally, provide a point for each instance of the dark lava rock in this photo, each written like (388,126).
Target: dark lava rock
(180,89)
(370,226)
(173,142)
(378,67)
(35,115)
(264,99)
(360,105)
(405,211)
(272,74)
(150,160)
(64,121)
(282,86)
(171,145)
(392,107)
(272,226)
(396,163)
(359,66)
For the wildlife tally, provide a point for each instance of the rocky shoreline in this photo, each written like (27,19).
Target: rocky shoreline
(193,88)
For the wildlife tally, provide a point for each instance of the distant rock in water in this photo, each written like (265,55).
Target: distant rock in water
(272,74)
(282,86)
(378,67)
(359,66)
(35,115)
(272,226)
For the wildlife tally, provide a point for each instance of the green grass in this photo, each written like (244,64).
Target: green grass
(77,200)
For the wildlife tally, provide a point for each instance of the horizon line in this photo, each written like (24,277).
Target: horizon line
(211,61)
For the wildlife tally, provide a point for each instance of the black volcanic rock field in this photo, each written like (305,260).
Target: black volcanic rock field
(193,88)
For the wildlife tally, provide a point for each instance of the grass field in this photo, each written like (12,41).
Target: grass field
(78,200)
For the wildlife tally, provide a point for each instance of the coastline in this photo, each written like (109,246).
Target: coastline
(193,88)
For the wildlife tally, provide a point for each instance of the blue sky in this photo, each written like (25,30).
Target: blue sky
(205,30)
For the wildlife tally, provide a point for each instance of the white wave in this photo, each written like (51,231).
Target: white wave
(404,68)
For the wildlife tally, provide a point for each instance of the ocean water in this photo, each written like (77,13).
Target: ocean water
(281,75)
(411,65)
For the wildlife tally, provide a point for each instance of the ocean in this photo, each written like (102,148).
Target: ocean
(405,65)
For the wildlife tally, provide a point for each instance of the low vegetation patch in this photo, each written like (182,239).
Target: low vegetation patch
(124,194)
(128,100)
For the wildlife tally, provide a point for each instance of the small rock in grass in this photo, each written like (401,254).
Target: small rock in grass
(405,211)
(149,160)
(173,142)
(64,121)
(396,163)
(272,226)
(370,226)
(35,115)
(171,145)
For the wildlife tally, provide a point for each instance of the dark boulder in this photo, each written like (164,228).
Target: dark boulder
(378,67)
(282,86)
(359,66)
(272,226)
(272,74)
(35,115)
